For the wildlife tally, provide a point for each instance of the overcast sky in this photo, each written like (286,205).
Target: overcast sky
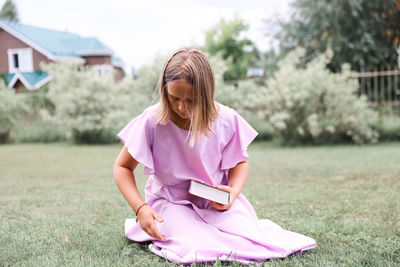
(136,30)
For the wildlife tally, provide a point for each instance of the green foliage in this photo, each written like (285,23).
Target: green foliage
(3,78)
(313,104)
(147,79)
(239,96)
(9,11)
(225,40)
(92,108)
(359,32)
(269,62)
(36,103)
(32,129)
(11,106)
(388,128)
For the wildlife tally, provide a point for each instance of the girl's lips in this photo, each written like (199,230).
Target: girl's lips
(185,116)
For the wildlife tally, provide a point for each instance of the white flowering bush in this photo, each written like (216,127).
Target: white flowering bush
(148,77)
(92,108)
(314,104)
(11,106)
(240,96)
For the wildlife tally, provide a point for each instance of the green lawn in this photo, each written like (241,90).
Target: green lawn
(59,204)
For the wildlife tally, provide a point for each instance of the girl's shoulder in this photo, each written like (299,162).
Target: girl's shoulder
(226,115)
(149,114)
(232,122)
(151,110)
(225,110)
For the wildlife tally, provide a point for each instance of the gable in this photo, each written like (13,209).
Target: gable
(24,47)
(8,42)
(56,44)
(30,80)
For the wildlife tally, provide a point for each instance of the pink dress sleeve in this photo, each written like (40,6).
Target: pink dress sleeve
(138,140)
(235,150)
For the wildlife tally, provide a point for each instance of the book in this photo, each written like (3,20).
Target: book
(209,192)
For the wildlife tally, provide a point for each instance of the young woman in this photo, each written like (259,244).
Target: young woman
(188,135)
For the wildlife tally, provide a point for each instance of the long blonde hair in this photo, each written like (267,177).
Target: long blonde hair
(192,65)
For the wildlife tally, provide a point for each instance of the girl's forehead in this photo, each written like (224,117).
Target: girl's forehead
(181,87)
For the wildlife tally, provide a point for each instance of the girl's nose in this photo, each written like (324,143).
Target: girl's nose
(182,107)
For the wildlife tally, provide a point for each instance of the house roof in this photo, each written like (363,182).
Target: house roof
(255,72)
(56,44)
(31,80)
(117,62)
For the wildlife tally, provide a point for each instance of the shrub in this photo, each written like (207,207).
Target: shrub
(11,106)
(240,96)
(3,77)
(147,80)
(34,129)
(314,105)
(388,128)
(92,108)
(35,103)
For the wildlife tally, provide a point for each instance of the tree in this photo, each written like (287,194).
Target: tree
(9,11)
(363,33)
(226,40)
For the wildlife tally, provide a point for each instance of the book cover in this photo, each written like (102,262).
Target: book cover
(209,192)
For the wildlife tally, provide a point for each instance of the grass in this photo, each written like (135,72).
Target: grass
(59,204)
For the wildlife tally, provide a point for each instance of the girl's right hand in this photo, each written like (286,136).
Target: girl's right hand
(146,217)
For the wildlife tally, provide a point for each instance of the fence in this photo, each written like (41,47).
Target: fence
(382,88)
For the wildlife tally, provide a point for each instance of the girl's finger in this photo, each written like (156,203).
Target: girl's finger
(155,233)
(218,206)
(157,217)
(224,187)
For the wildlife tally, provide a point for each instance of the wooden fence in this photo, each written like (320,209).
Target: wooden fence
(382,88)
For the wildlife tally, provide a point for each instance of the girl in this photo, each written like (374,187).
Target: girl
(188,135)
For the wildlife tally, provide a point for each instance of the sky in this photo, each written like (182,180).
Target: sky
(138,30)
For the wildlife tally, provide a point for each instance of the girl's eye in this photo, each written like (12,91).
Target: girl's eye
(189,101)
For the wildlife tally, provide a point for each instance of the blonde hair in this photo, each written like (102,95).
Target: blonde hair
(192,65)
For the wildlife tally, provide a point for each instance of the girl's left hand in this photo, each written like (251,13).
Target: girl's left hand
(232,196)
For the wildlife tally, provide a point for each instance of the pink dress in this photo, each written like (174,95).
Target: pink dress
(194,231)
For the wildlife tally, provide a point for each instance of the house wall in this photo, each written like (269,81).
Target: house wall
(19,87)
(97,60)
(118,74)
(10,42)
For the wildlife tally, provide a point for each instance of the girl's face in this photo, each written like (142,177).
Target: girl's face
(180,98)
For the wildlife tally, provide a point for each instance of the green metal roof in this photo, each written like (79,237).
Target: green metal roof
(9,77)
(58,43)
(116,61)
(53,44)
(32,78)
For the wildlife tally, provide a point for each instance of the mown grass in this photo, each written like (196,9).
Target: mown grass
(59,204)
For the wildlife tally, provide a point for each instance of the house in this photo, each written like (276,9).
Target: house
(23,48)
(256,74)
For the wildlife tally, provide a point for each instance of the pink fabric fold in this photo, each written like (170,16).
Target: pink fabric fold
(138,138)
(236,149)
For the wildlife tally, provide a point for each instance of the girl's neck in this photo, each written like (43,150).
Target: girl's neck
(180,122)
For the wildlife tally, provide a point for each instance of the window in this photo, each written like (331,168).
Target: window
(16,63)
(20,60)
(103,70)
